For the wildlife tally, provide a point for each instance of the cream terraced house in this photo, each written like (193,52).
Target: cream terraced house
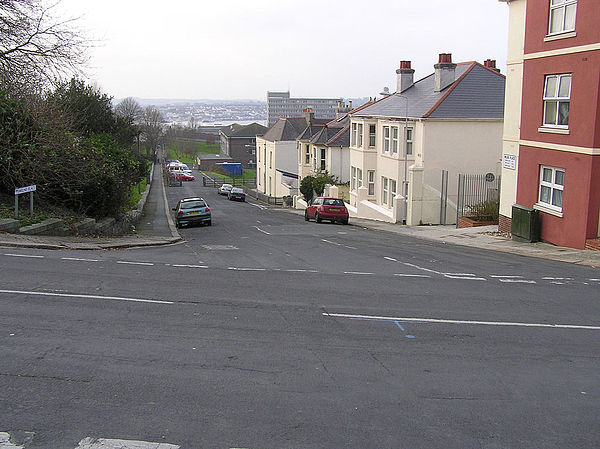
(325,148)
(451,120)
(276,154)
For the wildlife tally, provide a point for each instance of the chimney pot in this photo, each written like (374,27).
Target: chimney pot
(445,71)
(445,58)
(405,76)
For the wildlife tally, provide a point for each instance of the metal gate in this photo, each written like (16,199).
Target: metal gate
(478,197)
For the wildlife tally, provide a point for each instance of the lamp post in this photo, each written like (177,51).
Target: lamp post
(405,145)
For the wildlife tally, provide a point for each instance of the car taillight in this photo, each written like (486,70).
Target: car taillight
(207,209)
(179,212)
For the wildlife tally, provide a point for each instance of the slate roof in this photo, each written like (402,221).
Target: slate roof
(477,92)
(290,128)
(251,130)
(325,135)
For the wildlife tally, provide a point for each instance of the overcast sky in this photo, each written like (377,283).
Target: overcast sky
(239,49)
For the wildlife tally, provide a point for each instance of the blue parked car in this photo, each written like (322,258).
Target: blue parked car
(191,211)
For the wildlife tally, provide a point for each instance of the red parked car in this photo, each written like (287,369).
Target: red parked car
(323,208)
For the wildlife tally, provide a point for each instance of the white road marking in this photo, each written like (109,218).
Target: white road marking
(246,269)
(505,276)
(5,442)
(548,278)
(480,323)
(420,268)
(412,275)
(390,258)
(362,273)
(74,295)
(134,263)
(78,259)
(518,281)
(458,274)
(25,255)
(189,266)
(301,271)
(465,277)
(104,443)
(338,244)
(264,232)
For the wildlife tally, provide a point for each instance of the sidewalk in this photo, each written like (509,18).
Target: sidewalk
(156,228)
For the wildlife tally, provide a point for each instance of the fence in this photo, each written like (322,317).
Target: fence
(218,182)
(478,197)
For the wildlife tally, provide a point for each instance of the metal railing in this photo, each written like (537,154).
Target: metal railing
(478,195)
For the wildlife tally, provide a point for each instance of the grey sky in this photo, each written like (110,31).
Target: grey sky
(239,49)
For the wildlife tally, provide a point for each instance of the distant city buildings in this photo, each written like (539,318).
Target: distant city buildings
(281,105)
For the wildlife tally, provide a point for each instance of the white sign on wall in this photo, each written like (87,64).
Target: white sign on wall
(509,161)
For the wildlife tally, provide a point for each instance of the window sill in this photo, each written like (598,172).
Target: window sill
(547,129)
(543,208)
(557,36)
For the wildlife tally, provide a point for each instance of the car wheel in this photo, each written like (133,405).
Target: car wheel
(177,225)
(345,222)
(317,217)
(305,215)
(209,223)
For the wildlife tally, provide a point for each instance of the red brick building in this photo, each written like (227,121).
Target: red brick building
(558,157)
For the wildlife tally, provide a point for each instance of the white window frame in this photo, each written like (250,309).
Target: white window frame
(307,155)
(384,190)
(371,182)
(393,187)
(372,135)
(323,159)
(386,139)
(353,178)
(360,135)
(359,177)
(553,187)
(560,7)
(555,98)
(354,130)
(409,141)
(395,133)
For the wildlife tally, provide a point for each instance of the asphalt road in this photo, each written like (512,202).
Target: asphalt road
(265,331)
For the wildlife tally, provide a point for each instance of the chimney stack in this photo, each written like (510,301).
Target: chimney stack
(491,64)
(405,76)
(309,115)
(444,72)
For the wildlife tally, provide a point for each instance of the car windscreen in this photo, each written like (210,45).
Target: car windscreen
(192,204)
(237,190)
(331,202)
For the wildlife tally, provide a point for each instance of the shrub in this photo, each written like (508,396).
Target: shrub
(485,211)
(306,188)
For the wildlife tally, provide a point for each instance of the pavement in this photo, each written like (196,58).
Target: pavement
(156,228)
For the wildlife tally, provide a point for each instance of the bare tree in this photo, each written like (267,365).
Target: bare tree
(36,46)
(152,128)
(129,108)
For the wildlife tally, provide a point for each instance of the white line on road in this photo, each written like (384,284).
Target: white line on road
(74,295)
(264,232)
(246,269)
(25,255)
(189,266)
(481,323)
(390,258)
(298,270)
(548,278)
(466,277)
(412,275)
(518,281)
(362,273)
(420,268)
(505,276)
(134,263)
(78,259)
(458,274)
